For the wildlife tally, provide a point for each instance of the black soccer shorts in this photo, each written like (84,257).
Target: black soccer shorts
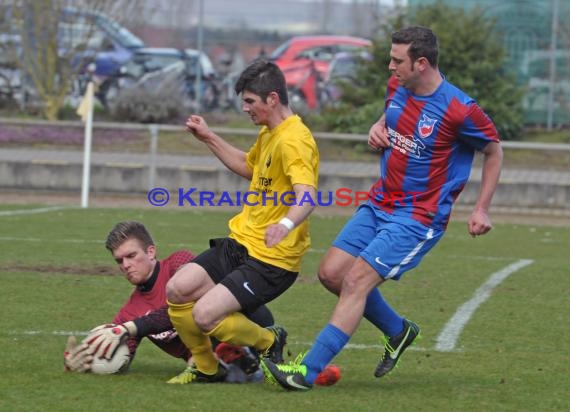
(251,281)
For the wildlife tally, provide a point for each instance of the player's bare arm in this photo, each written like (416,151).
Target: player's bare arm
(232,157)
(479,222)
(378,135)
(275,233)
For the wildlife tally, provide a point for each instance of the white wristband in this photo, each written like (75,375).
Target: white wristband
(288,223)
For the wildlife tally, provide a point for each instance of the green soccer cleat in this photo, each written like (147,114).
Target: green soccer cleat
(275,352)
(193,375)
(290,376)
(395,347)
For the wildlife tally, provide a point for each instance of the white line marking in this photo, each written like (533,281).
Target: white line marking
(447,339)
(81,241)
(37,239)
(475,257)
(357,346)
(30,211)
(55,332)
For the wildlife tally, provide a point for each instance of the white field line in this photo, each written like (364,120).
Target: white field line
(37,239)
(81,241)
(447,338)
(30,211)
(352,346)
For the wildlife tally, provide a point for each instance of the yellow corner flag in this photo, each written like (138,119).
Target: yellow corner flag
(86,104)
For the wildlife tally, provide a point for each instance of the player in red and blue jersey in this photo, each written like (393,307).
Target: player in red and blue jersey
(432,140)
(428,135)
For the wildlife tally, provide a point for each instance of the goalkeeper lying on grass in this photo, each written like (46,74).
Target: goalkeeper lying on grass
(145,313)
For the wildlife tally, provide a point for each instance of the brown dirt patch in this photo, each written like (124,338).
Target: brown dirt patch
(95,270)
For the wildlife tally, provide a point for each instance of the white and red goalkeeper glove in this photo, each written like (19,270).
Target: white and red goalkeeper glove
(76,358)
(104,340)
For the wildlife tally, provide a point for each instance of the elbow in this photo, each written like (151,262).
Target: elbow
(494,152)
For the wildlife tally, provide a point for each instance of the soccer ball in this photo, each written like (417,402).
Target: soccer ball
(117,364)
(329,376)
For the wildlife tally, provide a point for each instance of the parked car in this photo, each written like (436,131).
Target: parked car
(305,61)
(343,68)
(150,65)
(85,39)
(109,44)
(149,59)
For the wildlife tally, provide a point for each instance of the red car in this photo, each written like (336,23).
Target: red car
(305,61)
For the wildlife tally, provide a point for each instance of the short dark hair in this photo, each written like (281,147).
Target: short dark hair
(262,77)
(422,41)
(129,229)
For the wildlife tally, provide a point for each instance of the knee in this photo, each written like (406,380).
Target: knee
(330,276)
(173,291)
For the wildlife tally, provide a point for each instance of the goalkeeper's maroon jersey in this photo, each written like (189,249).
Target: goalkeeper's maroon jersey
(147,307)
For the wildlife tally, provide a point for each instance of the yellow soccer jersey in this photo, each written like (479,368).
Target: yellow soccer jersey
(280,158)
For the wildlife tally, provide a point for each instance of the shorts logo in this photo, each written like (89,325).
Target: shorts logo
(425,126)
(246,287)
(377,260)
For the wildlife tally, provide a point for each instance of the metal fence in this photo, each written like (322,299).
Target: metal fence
(155,129)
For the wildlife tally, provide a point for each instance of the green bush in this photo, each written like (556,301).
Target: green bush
(165,104)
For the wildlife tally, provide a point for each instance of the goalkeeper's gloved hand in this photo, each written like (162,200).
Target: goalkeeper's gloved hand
(104,340)
(76,358)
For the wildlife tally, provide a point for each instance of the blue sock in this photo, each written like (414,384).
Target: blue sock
(381,315)
(328,344)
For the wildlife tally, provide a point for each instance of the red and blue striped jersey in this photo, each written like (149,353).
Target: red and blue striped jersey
(433,140)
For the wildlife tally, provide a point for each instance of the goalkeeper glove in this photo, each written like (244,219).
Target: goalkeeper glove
(105,339)
(76,358)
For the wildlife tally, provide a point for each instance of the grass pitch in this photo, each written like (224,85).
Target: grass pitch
(511,353)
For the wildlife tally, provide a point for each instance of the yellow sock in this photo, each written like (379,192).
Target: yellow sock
(239,330)
(198,343)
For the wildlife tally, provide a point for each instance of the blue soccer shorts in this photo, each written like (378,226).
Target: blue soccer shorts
(392,245)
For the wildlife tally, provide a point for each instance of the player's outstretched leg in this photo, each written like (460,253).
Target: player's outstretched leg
(395,346)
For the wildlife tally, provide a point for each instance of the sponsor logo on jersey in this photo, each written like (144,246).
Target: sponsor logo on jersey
(165,336)
(405,143)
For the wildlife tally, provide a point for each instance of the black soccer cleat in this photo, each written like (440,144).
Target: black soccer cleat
(394,348)
(275,352)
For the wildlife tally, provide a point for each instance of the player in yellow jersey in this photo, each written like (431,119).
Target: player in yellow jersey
(261,257)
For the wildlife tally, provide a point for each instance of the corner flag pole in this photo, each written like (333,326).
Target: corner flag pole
(85,110)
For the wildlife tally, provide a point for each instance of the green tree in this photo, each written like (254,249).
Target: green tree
(472,57)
